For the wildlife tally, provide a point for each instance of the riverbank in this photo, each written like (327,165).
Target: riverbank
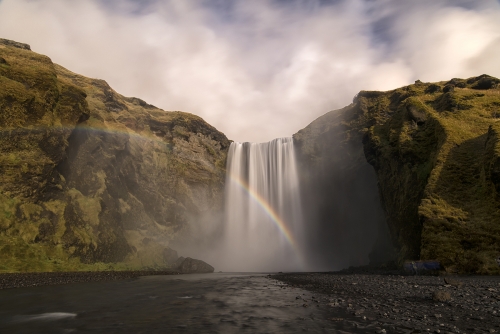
(22,280)
(406,304)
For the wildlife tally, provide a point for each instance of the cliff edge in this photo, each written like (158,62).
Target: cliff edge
(435,151)
(90,179)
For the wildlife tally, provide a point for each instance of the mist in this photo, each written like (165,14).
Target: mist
(262,69)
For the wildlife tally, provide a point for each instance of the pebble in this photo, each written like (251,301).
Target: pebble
(406,303)
(441,296)
(20,280)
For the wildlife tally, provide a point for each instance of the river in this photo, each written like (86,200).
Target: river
(199,303)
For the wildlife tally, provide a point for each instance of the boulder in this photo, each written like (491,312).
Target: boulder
(179,261)
(483,82)
(193,266)
(170,256)
(441,296)
(417,114)
(433,88)
(448,88)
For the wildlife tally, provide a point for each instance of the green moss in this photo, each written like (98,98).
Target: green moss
(443,204)
(64,211)
(90,207)
(7,211)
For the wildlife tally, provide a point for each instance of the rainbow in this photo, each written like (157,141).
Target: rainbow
(266,207)
(113,129)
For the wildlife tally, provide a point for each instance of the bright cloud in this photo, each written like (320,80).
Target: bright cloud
(260,69)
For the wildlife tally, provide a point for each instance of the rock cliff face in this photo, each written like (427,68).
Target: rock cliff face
(435,151)
(91,179)
(345,221)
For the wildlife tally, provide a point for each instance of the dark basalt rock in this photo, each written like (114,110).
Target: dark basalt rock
(170,256)
(460,83)
(15,44)
(433,88)
(179,261)
(448,88)
(193,266)
(485,82)
(401,304)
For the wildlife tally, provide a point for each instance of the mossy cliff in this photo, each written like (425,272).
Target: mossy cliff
(90,179)
(93,180)
(435,150)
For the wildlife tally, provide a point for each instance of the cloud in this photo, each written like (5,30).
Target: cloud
(261,69)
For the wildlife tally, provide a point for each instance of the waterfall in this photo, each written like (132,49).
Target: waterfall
(263,212)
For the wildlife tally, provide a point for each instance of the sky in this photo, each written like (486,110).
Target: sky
(260,69)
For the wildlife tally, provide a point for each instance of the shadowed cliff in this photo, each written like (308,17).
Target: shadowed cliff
(434,150)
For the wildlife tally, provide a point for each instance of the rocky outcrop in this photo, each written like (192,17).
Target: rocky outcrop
(90,178)
(434,151)
(346,225)
(193,266)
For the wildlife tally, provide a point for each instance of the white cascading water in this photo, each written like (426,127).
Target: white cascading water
(263,226)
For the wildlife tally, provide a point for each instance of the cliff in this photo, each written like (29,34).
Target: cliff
(435,152)
(90,179)
(93,180)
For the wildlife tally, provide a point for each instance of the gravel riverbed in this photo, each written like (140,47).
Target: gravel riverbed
(22,280)
(364,303)
(403,304)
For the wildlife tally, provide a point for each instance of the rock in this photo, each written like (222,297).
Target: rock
(179,261)
(460,83)
(193,266)
(170,256)
(15,44)
(417,114)
(441,296)
(448,89)
(433,88)
(453,282)
(483,82)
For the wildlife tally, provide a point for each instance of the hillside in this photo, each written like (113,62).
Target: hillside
(93,180)
(90,179)
(435,151)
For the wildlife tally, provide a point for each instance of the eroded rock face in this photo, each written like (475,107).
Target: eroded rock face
(434,149)
(345,222)
(90,176)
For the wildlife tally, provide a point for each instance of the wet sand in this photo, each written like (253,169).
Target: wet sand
(407,304)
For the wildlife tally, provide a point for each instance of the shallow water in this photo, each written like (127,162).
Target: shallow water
(205,303)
